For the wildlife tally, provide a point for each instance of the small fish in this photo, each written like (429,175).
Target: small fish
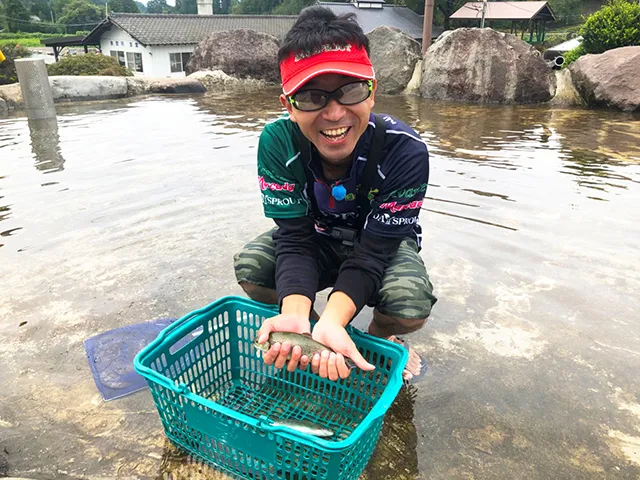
(304,426)
(308,345)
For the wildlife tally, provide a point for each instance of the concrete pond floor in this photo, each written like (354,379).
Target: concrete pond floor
(128,211)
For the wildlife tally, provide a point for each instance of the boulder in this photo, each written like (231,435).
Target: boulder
(484,66)
(12,95)
(609,79)
(218,80)
(242,53)
(71,87)
(394,56)
(136,86)
(175,85)
(4,108)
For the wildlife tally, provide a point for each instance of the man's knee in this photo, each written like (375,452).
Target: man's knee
(260,294)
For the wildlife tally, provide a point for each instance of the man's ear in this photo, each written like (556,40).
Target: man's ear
(373,93)
(287,104)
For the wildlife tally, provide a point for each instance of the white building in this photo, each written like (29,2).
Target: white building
(156,45)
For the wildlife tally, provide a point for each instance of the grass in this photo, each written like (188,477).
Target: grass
(25,42)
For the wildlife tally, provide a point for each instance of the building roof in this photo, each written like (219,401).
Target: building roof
(63,41)
(504,11)
(160,29)
(402,18)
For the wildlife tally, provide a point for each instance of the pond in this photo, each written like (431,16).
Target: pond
(125,211)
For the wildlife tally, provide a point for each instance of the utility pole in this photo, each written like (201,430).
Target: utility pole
(484,12)
(427,28)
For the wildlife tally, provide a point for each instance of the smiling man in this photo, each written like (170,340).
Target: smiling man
(344,187)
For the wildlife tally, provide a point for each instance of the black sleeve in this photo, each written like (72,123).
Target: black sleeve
(296,258)
(360,277)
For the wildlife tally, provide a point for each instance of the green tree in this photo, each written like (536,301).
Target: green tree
(123,6)
(42,10)
(17,17)
(80,15)
(567,12)
(159,6)
(292,7)
(186,6)
(141,6)
(255,7)
(617,24)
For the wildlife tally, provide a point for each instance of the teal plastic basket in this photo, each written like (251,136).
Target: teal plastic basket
(216,398)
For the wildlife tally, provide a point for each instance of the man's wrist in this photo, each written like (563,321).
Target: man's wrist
(298,305)
(340,310)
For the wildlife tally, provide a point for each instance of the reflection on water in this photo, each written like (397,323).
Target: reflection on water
(144,202)
(45,145)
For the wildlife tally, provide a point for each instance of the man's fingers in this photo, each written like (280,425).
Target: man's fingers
(271,355)
(324,359)
(315,364)
(296,353)
(282,356)
(343,370)
(359,360)
(332,369)
(304,362)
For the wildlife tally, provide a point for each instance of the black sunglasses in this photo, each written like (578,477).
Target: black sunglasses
(315,99)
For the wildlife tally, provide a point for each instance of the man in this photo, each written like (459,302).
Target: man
(344,189)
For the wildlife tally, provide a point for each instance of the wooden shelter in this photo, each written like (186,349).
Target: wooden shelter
(525,17)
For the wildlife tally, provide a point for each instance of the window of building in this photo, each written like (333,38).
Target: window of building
(179,61)
(119,55)
(134,61)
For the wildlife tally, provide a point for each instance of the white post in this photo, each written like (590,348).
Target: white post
(36,91)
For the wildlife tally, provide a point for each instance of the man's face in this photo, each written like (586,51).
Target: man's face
(335,129)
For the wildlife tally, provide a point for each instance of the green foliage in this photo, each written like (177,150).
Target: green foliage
(81,13)
(141,6)
(572,55)
(255,7)
(88,64)
(123,6)
(7,68)
(158,6)
(617,24)
(16,16)
(186,6)
(292,7)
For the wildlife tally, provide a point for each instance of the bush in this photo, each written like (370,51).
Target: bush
(7,68)
(572,55)
(617,24)
(88,64)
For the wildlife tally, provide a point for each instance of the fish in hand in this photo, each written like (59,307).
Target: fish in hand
(307,344)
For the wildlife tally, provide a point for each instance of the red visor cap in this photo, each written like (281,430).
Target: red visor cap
(298,69)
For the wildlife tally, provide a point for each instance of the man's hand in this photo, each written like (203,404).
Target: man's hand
(277,354)
(332,365)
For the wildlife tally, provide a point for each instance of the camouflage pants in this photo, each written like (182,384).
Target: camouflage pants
(405,293)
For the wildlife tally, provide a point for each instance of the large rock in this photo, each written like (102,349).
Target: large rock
(71,87)
(484,66)
(142,85)
(217,80)
(394,56)
(241,53)
(12,95)
(4,108)
(609,79)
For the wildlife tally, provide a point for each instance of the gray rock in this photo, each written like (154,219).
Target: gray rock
(394,56)
(485,66)
(70,87)
(12,95)
(609,79)
(175,85)
(136,86)
(217,80)
(242,53)
(4,108)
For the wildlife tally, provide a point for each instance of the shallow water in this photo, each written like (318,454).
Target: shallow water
(124,211)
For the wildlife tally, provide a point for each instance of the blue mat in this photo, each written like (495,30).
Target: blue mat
(110,355)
